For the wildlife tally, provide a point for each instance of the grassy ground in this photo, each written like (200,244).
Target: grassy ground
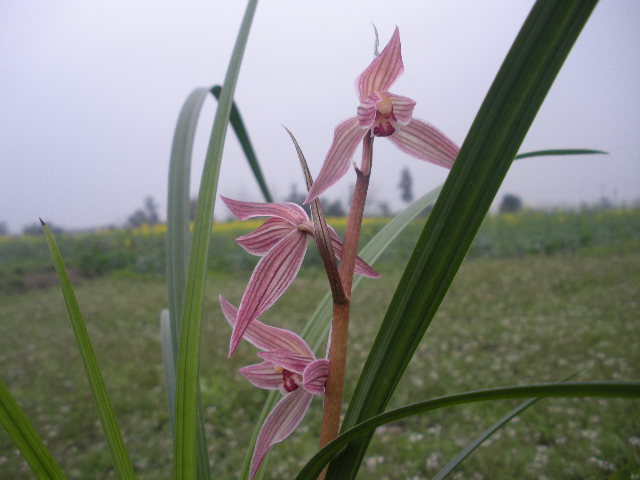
(505,321)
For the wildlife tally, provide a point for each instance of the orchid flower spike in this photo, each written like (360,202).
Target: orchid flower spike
(289,366)
(282,242)
(382,114)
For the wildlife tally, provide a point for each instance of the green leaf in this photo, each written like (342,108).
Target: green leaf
(168,363)
(178,204)
(25,437)
(469,449)
(561,151)
(185,451)
(484,159)
(118,451)
(247,148)
(565,390)
(179,199)
(178,238)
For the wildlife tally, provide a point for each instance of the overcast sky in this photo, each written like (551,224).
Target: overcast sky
(91,92)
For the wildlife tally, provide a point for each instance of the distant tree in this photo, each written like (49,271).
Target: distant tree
(4,230)
(148,214)
(406,185)
(510,204)
(605,203)
(385,210)
(151,208)
(297,198)
(333,209)
(36,229)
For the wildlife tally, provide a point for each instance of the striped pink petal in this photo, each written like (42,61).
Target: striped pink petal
(290,361)
(266,337)
(346,138)
(271,277)
(287,211)
(265,237)
(367,110)
(315,375)
(383,71)
(402,108)
(424,141)
(361,267)
(281,422)
(262,375)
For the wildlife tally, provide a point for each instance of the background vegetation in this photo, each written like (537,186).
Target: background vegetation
(541,295)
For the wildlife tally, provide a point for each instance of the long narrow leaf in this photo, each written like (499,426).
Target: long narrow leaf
(243,137)
(168,363)
(178,238)
(565,390)
(26,439)
(480,439)
(119,455)
(178,204)
(185,452)
(484,159)
(559,151)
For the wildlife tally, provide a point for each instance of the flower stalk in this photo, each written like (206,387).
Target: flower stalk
(338,345)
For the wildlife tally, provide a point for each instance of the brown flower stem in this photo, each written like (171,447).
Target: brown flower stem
(340,321)
(335,380)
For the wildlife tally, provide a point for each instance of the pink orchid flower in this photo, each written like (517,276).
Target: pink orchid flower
(289,366)
(382,114)
(282,242)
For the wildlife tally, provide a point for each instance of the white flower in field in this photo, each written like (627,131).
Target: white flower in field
(433,460)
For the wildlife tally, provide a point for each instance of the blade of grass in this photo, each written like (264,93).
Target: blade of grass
(178,204)
(247,147)
(179,199)
(185,453)
(561,390)
(169,366)
(178,238)
(560,151)
(168,363)
(119,455)
(484,159)
(26,439)
(480,439)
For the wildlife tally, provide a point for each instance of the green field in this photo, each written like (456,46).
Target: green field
(541,296)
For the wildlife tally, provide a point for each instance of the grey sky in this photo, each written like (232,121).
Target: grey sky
(91,92)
